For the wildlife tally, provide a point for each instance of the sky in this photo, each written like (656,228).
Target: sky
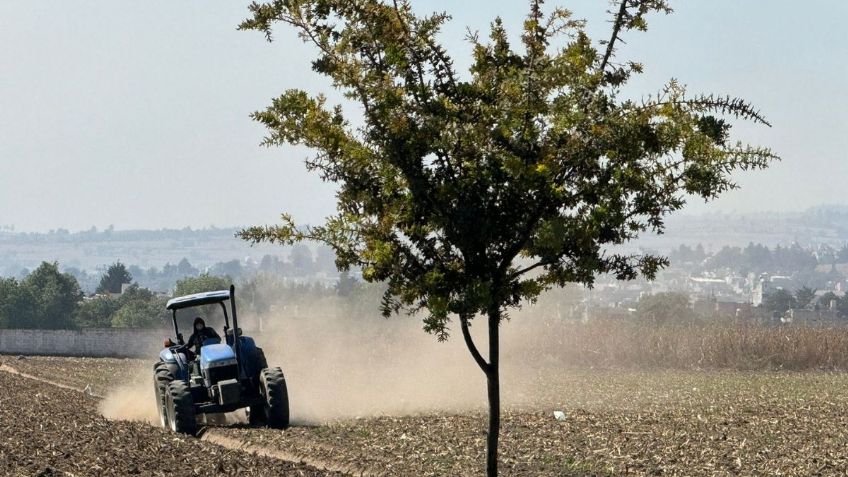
(135,114)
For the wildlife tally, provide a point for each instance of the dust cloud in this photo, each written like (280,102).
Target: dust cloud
(342,364)
(344,367)
(133,400)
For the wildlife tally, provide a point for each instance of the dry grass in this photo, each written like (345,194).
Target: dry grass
(718,345)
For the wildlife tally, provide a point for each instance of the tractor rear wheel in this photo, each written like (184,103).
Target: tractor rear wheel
(180,406)
(256,413)
(276,398)
(261,361)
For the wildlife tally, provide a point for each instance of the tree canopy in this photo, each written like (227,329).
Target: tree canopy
(534,156)
(46,298)
(804,297)
(114,278)
(202,283)
(468,194)
(666,307)
(779,301)
(139,308)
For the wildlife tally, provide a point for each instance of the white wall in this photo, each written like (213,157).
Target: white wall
(96,342)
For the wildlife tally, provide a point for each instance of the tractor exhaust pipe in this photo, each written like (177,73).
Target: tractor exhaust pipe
(236,341)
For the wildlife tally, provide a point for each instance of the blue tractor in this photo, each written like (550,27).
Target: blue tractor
(223,377)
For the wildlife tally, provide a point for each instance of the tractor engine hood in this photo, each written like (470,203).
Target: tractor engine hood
(216,355)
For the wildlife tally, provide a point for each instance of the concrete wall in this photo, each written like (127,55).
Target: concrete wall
(87,342)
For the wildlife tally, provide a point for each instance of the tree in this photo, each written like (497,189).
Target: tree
(827,300)
(347,284)
(185,269)
(804,297)
(301,259)
(55,296)
(779,301)
(201,283)
(231,269)
(668,307)
(842,306)
(96,312)
(757,257)
(114,278)
(728,257)
(17,309)
(139,308)
(470,194)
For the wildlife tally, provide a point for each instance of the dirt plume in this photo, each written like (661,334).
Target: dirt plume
(342,360)
(338,367)
(133,400)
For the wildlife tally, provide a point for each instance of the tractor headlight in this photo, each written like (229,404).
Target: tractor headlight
(221,363)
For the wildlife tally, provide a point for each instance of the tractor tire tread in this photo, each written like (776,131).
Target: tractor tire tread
(183,414)
(276,397)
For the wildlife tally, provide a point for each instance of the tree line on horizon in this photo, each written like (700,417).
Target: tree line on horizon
(301,263)
(48,298)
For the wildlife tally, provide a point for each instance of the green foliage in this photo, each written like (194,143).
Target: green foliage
(116,275)
(756,258)
(804,297)
(665,308)
(347,285)
(779,301)
(17,309)
(139,308)
(825,300)
(842,306)
(232,268)
(96,312)
(139,314)
(204,283)
(201,283)
(470,194)
(51,298)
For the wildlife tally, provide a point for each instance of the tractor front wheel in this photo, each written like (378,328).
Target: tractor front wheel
(161,377)
(180,406)
(275,411)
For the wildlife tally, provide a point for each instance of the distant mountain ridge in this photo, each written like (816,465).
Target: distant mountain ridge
(817,225)
(89,249)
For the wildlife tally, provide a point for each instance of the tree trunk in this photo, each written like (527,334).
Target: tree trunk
(494,387)
(492,371)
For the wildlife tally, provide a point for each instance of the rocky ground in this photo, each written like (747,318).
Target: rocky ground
(616,423)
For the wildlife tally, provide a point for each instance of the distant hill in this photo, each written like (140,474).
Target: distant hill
(92,249)
(823,224)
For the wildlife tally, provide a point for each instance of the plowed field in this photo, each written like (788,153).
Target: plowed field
(617,423)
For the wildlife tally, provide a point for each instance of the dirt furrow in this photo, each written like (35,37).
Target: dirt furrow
(215,436)
(54,429)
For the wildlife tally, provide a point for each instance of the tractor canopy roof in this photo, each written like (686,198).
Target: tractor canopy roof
(198,299)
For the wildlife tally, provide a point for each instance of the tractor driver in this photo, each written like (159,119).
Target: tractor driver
(201,334)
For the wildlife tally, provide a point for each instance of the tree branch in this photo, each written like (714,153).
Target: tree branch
(616,29)
(522,271)
(469,342)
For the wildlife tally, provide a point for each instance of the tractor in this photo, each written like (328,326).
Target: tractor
(223,377)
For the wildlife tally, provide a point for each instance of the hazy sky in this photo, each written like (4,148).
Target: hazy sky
(136,113)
